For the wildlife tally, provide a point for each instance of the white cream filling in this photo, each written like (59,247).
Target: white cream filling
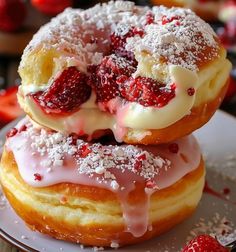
(133,115)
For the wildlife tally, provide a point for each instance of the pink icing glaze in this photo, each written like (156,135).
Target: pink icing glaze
(55,158)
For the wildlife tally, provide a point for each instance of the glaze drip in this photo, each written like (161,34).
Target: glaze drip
(122,169)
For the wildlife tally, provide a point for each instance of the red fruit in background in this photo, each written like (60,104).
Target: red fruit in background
(9,107)
(65,94)
(204,243)
(231,91)
(51,7)
(227,34)
(12,14)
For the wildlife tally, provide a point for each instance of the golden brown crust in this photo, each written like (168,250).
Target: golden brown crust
(197,118)
(96,232)
(168,3)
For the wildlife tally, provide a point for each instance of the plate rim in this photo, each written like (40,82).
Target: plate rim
(18,244)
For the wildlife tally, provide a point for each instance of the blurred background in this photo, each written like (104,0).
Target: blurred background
(20,19)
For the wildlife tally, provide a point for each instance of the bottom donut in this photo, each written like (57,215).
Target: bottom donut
(57,185)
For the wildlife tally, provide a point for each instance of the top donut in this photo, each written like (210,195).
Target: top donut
(150,75)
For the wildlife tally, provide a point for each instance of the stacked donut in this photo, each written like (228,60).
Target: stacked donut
(104,156)
(206,9)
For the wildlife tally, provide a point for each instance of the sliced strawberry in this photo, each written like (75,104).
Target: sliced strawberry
(9,107)
(204,243)
(12,14)
(146,91)
(66,93)
(51,7)
(104,77)
(118,41)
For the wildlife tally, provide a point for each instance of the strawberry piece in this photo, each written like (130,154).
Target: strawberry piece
(22,128)
(12,132)
(37,177)
(104,77)
(66,93)
(51,7)
(9,107)
(146,91)
(12,15)
(204,243)
(150,18)
(84,150)
(118,41)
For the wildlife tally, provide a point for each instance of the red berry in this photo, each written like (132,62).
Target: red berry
(204,243)
(146,91)
(104,77)
(12,132)
(12,14)
(9,107)
(173,148)
(118,41)
(191,91)
(51,7)
(37,177)
(66,93)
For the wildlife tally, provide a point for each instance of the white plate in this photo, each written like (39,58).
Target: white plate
(218,141)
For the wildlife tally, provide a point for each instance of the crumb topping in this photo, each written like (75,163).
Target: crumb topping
(93,158)
(216,226)
(175,36)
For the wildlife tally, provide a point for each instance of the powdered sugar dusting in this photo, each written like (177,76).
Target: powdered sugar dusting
(180,39)
(218,226)
(177,36)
